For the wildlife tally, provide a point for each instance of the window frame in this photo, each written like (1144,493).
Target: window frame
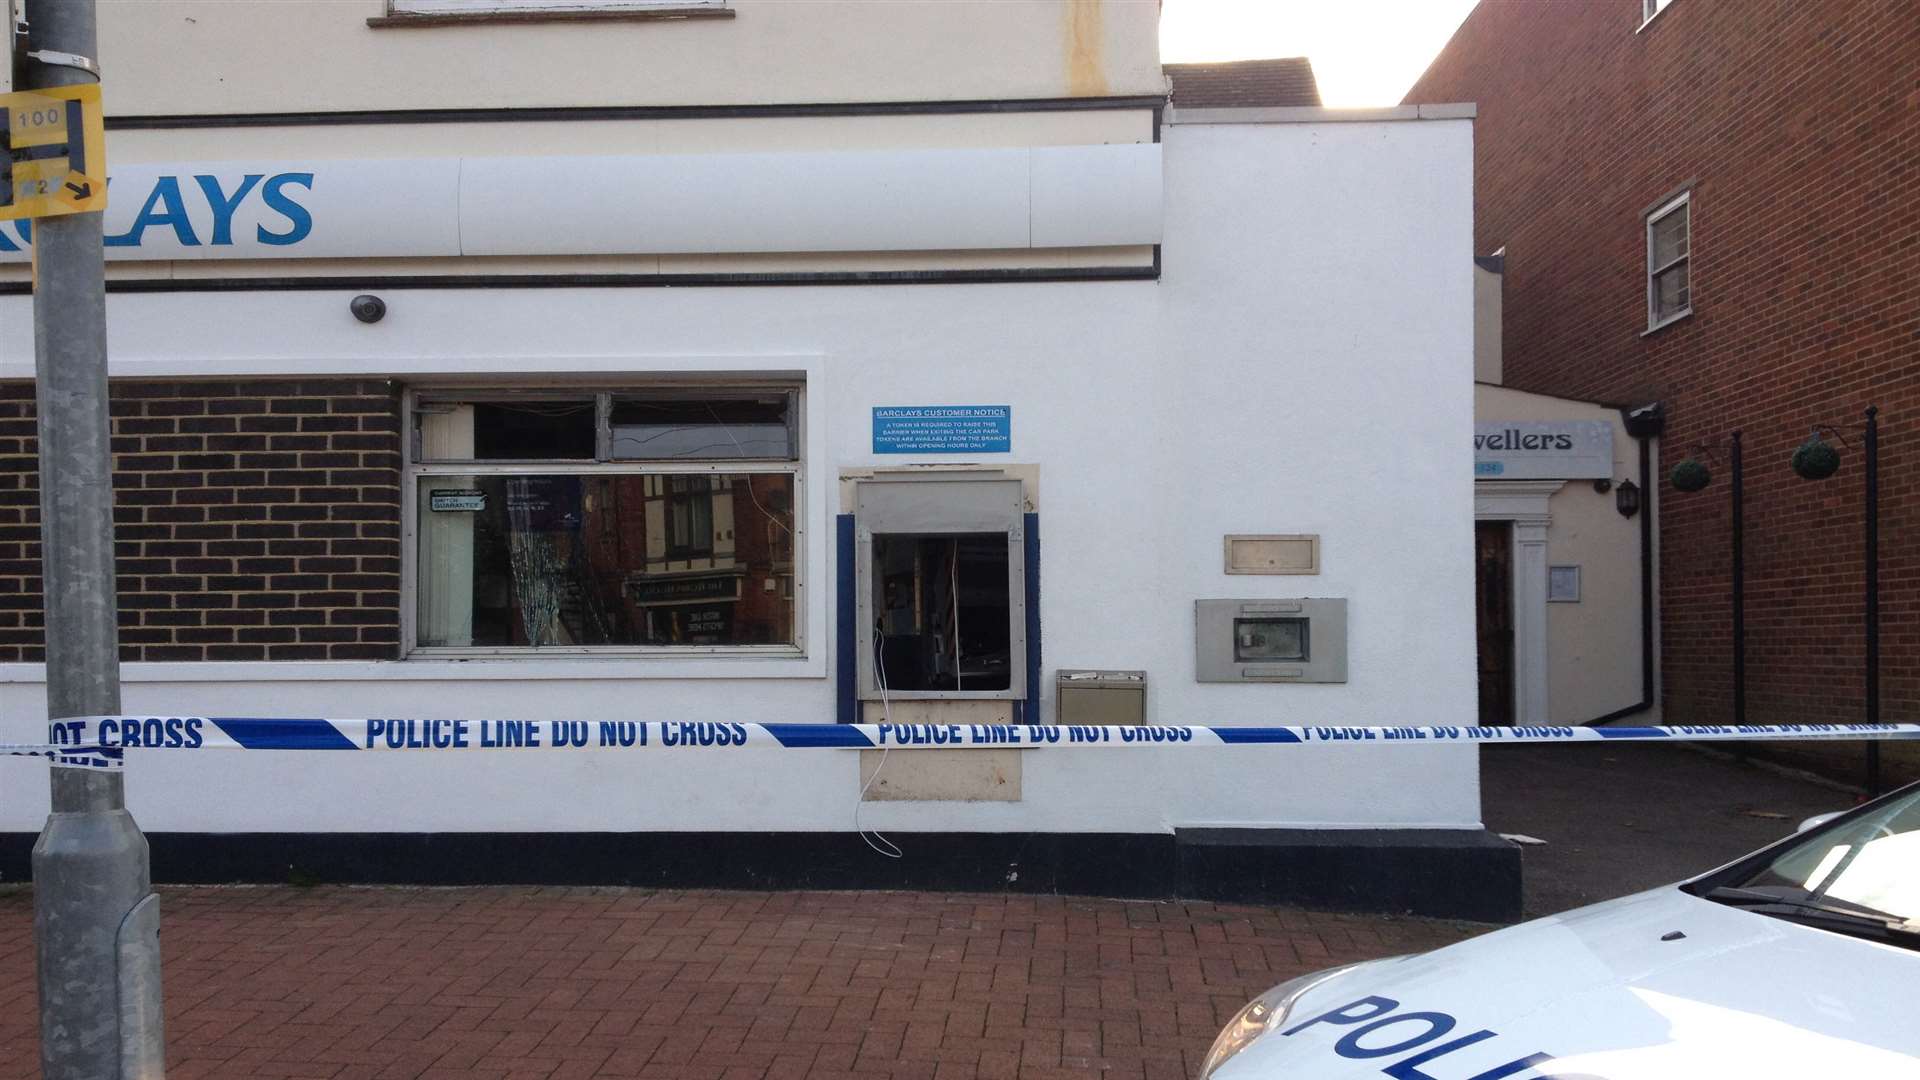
(1681,203)
(415,469)
(1650,10)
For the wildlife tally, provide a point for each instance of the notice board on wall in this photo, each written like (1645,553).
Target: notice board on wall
(942,429)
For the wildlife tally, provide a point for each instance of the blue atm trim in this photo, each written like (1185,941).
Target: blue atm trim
(846,671)
(1029,712)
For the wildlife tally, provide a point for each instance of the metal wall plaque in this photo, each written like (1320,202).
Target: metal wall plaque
(1563,584)
(1292,553)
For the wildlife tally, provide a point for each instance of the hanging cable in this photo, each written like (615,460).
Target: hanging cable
(876,840)
(743,450)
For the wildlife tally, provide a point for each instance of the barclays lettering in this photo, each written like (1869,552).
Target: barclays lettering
(299,222)
(199,210)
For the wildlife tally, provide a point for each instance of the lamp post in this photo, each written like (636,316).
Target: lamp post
(1815,460)
(1691,475)
(96,919)
(1872,440)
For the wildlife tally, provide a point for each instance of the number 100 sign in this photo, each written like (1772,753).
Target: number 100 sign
(53,152)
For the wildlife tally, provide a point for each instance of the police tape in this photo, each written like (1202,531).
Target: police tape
(102,741)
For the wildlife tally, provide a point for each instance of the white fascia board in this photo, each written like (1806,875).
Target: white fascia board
(661,204)
(1092,196)
(923,200)
(1313,114)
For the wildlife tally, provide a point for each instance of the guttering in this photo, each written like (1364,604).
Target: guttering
(1645,424)
(1308,114)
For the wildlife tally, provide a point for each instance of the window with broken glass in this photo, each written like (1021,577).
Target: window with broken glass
(626,520)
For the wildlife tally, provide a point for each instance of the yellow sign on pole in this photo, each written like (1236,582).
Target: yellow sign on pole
(53,152)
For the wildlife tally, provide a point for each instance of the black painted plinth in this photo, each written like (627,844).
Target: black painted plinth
(1455,874)
(1447,873)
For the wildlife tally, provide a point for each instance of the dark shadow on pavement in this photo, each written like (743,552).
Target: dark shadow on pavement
(1620,818)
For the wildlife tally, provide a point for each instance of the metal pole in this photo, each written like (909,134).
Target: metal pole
(1739,587)
(96,924)
(1873,593)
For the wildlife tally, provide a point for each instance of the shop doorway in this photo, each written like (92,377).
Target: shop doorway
(1493,618)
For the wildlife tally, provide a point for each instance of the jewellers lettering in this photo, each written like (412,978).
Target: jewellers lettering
(1515,439)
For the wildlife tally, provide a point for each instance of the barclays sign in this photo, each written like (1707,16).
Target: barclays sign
(647,204)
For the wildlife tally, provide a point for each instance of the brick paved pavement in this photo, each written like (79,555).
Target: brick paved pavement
(548,983)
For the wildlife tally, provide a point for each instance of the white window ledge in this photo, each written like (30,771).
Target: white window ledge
(600,669)
(1666,322)
(533,14)
(1650,18)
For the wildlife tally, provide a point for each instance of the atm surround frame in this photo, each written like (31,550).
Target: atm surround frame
(940,504)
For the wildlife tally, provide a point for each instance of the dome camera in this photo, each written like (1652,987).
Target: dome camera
(367,308)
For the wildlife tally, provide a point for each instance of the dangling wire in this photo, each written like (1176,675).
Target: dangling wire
(711,411)
(875,840)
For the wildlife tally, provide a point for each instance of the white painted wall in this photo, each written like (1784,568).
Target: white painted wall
(320,55)
(1303,366)
(1488,300)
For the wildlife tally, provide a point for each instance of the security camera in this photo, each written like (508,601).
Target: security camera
(368,309)
(1646,421)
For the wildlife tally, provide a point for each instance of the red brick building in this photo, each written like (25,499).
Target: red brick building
(1717,206)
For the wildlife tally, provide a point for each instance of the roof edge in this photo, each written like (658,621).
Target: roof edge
(1308,115)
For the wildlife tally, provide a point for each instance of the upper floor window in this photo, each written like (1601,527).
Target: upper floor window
(1669,293)
(1650,8)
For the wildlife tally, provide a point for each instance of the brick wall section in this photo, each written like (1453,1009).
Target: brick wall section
(1798,126)
(254,520)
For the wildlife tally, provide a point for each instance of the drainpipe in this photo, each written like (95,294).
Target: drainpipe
(1645,424)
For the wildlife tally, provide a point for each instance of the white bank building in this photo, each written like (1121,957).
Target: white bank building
(777,362)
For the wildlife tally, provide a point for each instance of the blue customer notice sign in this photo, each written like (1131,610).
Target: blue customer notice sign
(942,429)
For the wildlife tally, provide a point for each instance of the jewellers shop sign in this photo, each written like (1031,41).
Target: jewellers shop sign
(1542,450)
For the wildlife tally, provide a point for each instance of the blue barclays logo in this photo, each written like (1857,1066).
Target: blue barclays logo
(275,201)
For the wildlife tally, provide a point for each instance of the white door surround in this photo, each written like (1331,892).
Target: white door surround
(1524,502)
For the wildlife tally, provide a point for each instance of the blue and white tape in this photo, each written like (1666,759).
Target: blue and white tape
(102,741)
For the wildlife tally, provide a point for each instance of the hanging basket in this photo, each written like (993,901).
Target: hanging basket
(1689,475)
(1816,459)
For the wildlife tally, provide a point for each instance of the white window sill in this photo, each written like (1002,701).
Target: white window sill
(1666,322)
(400,20)
(527,669)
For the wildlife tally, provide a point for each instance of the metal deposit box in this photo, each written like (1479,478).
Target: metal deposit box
(1100,697)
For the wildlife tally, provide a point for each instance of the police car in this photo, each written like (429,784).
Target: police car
(1800,960)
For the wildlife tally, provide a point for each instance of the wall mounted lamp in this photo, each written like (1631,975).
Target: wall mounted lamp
(1626,498)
